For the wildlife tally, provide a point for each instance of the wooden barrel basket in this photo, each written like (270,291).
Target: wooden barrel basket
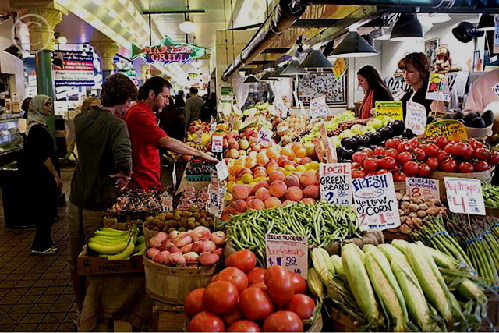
(172,284)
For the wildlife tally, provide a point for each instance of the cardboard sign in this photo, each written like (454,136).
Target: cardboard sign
(216,197)
(415,117)
(329,147)
(318,107)
(451,129)
(375,201)
(392,109)
(265,135)
(336,183)
(423,187)
(222,170)
(438,87)
(464,195)
(217,143)
(290,252)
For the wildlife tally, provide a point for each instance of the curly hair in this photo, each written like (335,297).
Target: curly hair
(117,89)
(419,61)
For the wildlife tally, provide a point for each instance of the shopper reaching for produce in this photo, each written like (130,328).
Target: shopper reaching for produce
(374,89)
(146,136)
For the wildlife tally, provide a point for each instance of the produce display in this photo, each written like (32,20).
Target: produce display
(180,220)
(399,287)
(117,244)
(136,203)
(199,246)
(192,198)
(243,297)
(198,135)
(472,119)
(490,195)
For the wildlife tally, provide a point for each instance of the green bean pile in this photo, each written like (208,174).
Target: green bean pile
(322,223)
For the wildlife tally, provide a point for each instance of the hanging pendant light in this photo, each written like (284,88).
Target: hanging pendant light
(407,27)
(187,27)
(353,45)
(251,79)
(293,69)
(315,59)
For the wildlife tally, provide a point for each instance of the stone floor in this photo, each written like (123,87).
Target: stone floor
(35,290)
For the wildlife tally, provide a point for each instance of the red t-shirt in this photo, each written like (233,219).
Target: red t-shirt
(144,135)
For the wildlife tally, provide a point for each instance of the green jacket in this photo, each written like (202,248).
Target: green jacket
(103,149)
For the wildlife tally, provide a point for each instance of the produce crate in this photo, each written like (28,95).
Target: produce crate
(389,236)
(148,234)
(399,187)
(485,176)
(112,222)
(492,211)
(479,133)
(94,265)
(172,284)
(198,178)
(491,323)
(169,317)
(341,321)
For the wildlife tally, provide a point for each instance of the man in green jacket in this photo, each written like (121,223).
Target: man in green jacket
(104,165)
(193,107)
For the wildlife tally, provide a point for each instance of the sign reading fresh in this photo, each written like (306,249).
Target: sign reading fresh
(168,51)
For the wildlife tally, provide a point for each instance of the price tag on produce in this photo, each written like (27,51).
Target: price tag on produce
(375,202)
(335,181)
(216,197)
(464,195)
(288,251)
(392,109)
(415,118)
(199,136)
(217,143)
(451,129)
(318,107)
(264,135)
(423,187)
(222,170)
(329,147)
(213,127)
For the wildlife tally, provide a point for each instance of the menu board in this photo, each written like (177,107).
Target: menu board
(312,85)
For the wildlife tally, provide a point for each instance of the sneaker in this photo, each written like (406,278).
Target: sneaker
(50,250)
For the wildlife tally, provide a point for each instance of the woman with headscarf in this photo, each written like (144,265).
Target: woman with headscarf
(37,165)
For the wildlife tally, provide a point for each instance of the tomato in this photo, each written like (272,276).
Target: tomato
(299,283)
(441,142)
(260,285)
(193,303)
(465,167)
(390,152)
(419,154)
(467,152)
(233,316)
(399,176)
(370,164)
(475,144)
(479,166)
(235,276)
(245,260)
(482,153)
(220,297)
(494,158)
(256,275)
(450,149)
(423,170)
(255,304)
(404,146)
(379,151)
(448,165)
(279,284)
(206,322)
(393,143)
(432,162)
(358,174)
(442,156)
(302,305)
(431,150)
(359,156)
(404,157)
(283,321)
(388,163)
(244,326)
(411,168)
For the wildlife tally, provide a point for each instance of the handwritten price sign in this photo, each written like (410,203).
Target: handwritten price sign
(375,202)
(423,187)
(217,142)
(290,252)
(216,197)
(335,181)
(464,195)
(264,135)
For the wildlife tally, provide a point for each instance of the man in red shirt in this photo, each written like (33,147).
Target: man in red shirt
(146,136)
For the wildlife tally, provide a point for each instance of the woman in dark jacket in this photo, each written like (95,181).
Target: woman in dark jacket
(416,72)
(374,88)
(37,165)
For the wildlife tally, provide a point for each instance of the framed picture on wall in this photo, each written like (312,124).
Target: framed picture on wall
(431,49)
(324,83)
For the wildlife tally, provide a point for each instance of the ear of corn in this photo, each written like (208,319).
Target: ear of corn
(359,283)
(471,290)
(315,284)
(338,266)
(441,259)
(322,264)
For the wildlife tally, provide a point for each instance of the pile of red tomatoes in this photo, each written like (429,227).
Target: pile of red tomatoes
(246,298)
(420,156)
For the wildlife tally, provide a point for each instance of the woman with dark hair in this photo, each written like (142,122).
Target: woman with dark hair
(25,107)
(416,72)
(374,89)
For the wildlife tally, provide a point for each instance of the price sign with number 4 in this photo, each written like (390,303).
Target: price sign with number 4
(464,195)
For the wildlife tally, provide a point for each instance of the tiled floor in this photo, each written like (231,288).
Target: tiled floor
(35,290)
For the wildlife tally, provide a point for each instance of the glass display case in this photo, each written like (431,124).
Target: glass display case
(10,138)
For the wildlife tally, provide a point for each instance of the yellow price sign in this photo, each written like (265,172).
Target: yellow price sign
(392,109)
(451,129)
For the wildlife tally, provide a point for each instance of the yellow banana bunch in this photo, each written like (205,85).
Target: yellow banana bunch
(116,244)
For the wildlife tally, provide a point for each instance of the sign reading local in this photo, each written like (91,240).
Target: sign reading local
(168,51)
(288,251)
(375,202)
(335,182)
(464,195)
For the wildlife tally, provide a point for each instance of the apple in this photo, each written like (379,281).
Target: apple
(233,144)
(256,147)
(242,171)
(233,153)
(288,162)
(244,144)
(282,161)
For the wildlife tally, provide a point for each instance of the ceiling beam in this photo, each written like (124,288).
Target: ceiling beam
(315,23)
(278,50)
(173,11)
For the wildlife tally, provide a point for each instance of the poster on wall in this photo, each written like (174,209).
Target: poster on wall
(312,85)
(77,69)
